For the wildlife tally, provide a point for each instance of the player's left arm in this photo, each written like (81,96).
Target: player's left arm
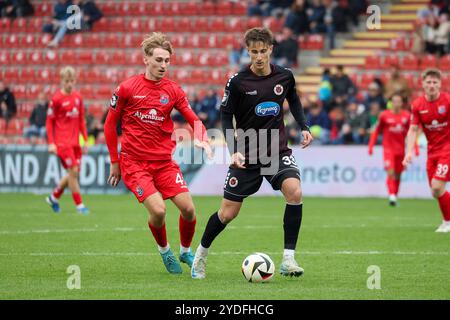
(200,135)
(375,133)
(83,128)
(296,108)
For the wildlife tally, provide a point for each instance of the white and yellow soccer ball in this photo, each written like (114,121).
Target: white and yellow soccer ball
(258,267)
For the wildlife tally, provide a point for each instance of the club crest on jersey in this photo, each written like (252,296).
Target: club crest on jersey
(278,89)
(226,94)
(233,182)
(164,99)
(442,109)
(267,108)
(113,102)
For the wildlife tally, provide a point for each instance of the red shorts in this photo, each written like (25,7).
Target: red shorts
(69,156)
(145,178)
(393,162)
(438,168)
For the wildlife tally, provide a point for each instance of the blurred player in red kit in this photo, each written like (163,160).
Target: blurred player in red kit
(143,103)
(393,124)
(65,122)
(432,112)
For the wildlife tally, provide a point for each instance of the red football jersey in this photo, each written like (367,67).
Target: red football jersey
(434,117)
(65,119)
(144,107)
(394,128)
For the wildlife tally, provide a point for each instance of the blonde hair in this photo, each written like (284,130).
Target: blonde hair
(67,71)
(432,72)
(155,40)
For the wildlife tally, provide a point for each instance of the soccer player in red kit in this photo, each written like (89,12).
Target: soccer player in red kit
(432,112)
(143,103)
(65,122)
(393,125)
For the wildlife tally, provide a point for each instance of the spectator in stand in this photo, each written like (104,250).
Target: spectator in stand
(8,106)
(338,134)
(373,114)
(343,87)
(60,15)
(442,34)
(423,14)
(357,8)
(285,50)
(297,18)
(37,120)
(319,123)
(397,84)
(254,8)
(209,109)
(374,94)
(81,20)
(328,20)
(316,16)
(356,120)
(16,8)
(429,30)
(341,16)
(276,7)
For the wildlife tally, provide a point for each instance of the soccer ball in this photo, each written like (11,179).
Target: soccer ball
(258,267)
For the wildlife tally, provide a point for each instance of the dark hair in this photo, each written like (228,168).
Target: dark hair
(398,94)
(432,72)
(258,34)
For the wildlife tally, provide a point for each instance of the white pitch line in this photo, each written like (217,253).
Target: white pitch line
(131,229)
(345,252)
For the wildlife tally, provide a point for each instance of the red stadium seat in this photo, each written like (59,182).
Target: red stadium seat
(33,91)
(51,57)
(410,62)
(128,8)
(109,8)
(389,61)
(101,25)
(87,92)
(156,8)
(5,24)
(20,91)
(19,25)
(46,75)
(43,9)
(235,24)
(133,25)
(97,110)
(217,24)
(273,24)
(193,41)
(68,57)
(152,24)
(111,40)
(211,41)
(104,92)
(365,80)
(168,24)
(201,24)
(12,75)
(85,58)
(117,24)
(118,58)
(131,40)
(206,9)
(102,57)
(91,40)
(35,24)
(27,41)
(239,8)
(44,40)
(398,44)
(27,75)
(189,9)
(19,57)
(197,76)
(12,41)
(254,22)
(183,24)
(224,8)
(428,61)
(373,62)
(444,63)
(4,57)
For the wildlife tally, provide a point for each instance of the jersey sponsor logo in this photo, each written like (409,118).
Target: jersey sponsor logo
(252,93)
(442,109)
(436,126)
(164,99)
(139,97)
(233,182)
(150,117)
(73,113)
(226,94)
(65,103)
(113,102)
(423,111)
(267,108)
(278,89)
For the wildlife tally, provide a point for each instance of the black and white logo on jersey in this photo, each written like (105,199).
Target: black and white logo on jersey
(278,89)
(226,94)
(113,102)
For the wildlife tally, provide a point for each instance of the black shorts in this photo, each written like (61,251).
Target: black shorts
(241,183)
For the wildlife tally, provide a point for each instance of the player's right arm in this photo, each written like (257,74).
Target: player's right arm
(117,104)
(231,97)
(50,125)
(375,133)
(411,137)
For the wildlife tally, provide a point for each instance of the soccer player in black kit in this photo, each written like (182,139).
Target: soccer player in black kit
(254,96)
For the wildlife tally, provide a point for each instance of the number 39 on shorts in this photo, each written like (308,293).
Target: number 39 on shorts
(289,161)
(441,170)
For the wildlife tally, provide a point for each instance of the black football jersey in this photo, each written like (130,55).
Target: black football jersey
(257,105)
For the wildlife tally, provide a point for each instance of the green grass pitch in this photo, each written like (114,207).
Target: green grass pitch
(118,259)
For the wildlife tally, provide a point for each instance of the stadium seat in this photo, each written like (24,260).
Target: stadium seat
(102,57)
(112,40)
(27,41)
(274,24)
(235,24)
(5,24)
(183,24)
(398,44)
(128,8)
(35,24)
(133,25)
(189,8)
(117,24)
(365,80)
(254,22)
(43,9)
(217,24)
(51,57)
(101,25)
(410,62)
(36,58)
(168,24)
(12,41)
(12,75)
(223,8)
(27,75)
(43,40)
(68,57)
(4,57)
(156,8)
(389,61)
(201,24)
(87,92)
(109,8)
(19,57)
(428,61)
(18,25)
(211,41)
(373,62)
(444,63)
(239,8)
(118,58)
(97,110)
(46,75)
(104,92)
(206,9)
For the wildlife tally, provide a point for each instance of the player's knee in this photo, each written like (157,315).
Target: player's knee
(293,195)
(437,191)
(73,173)
(188,212)
(158,212)
(226,215)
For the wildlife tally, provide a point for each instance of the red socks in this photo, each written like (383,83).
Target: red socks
(77,198)
(159,234)
(57,193)
(444,204)
(393,185)
(187,230)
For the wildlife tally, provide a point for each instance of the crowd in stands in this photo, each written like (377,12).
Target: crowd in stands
(15,8)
